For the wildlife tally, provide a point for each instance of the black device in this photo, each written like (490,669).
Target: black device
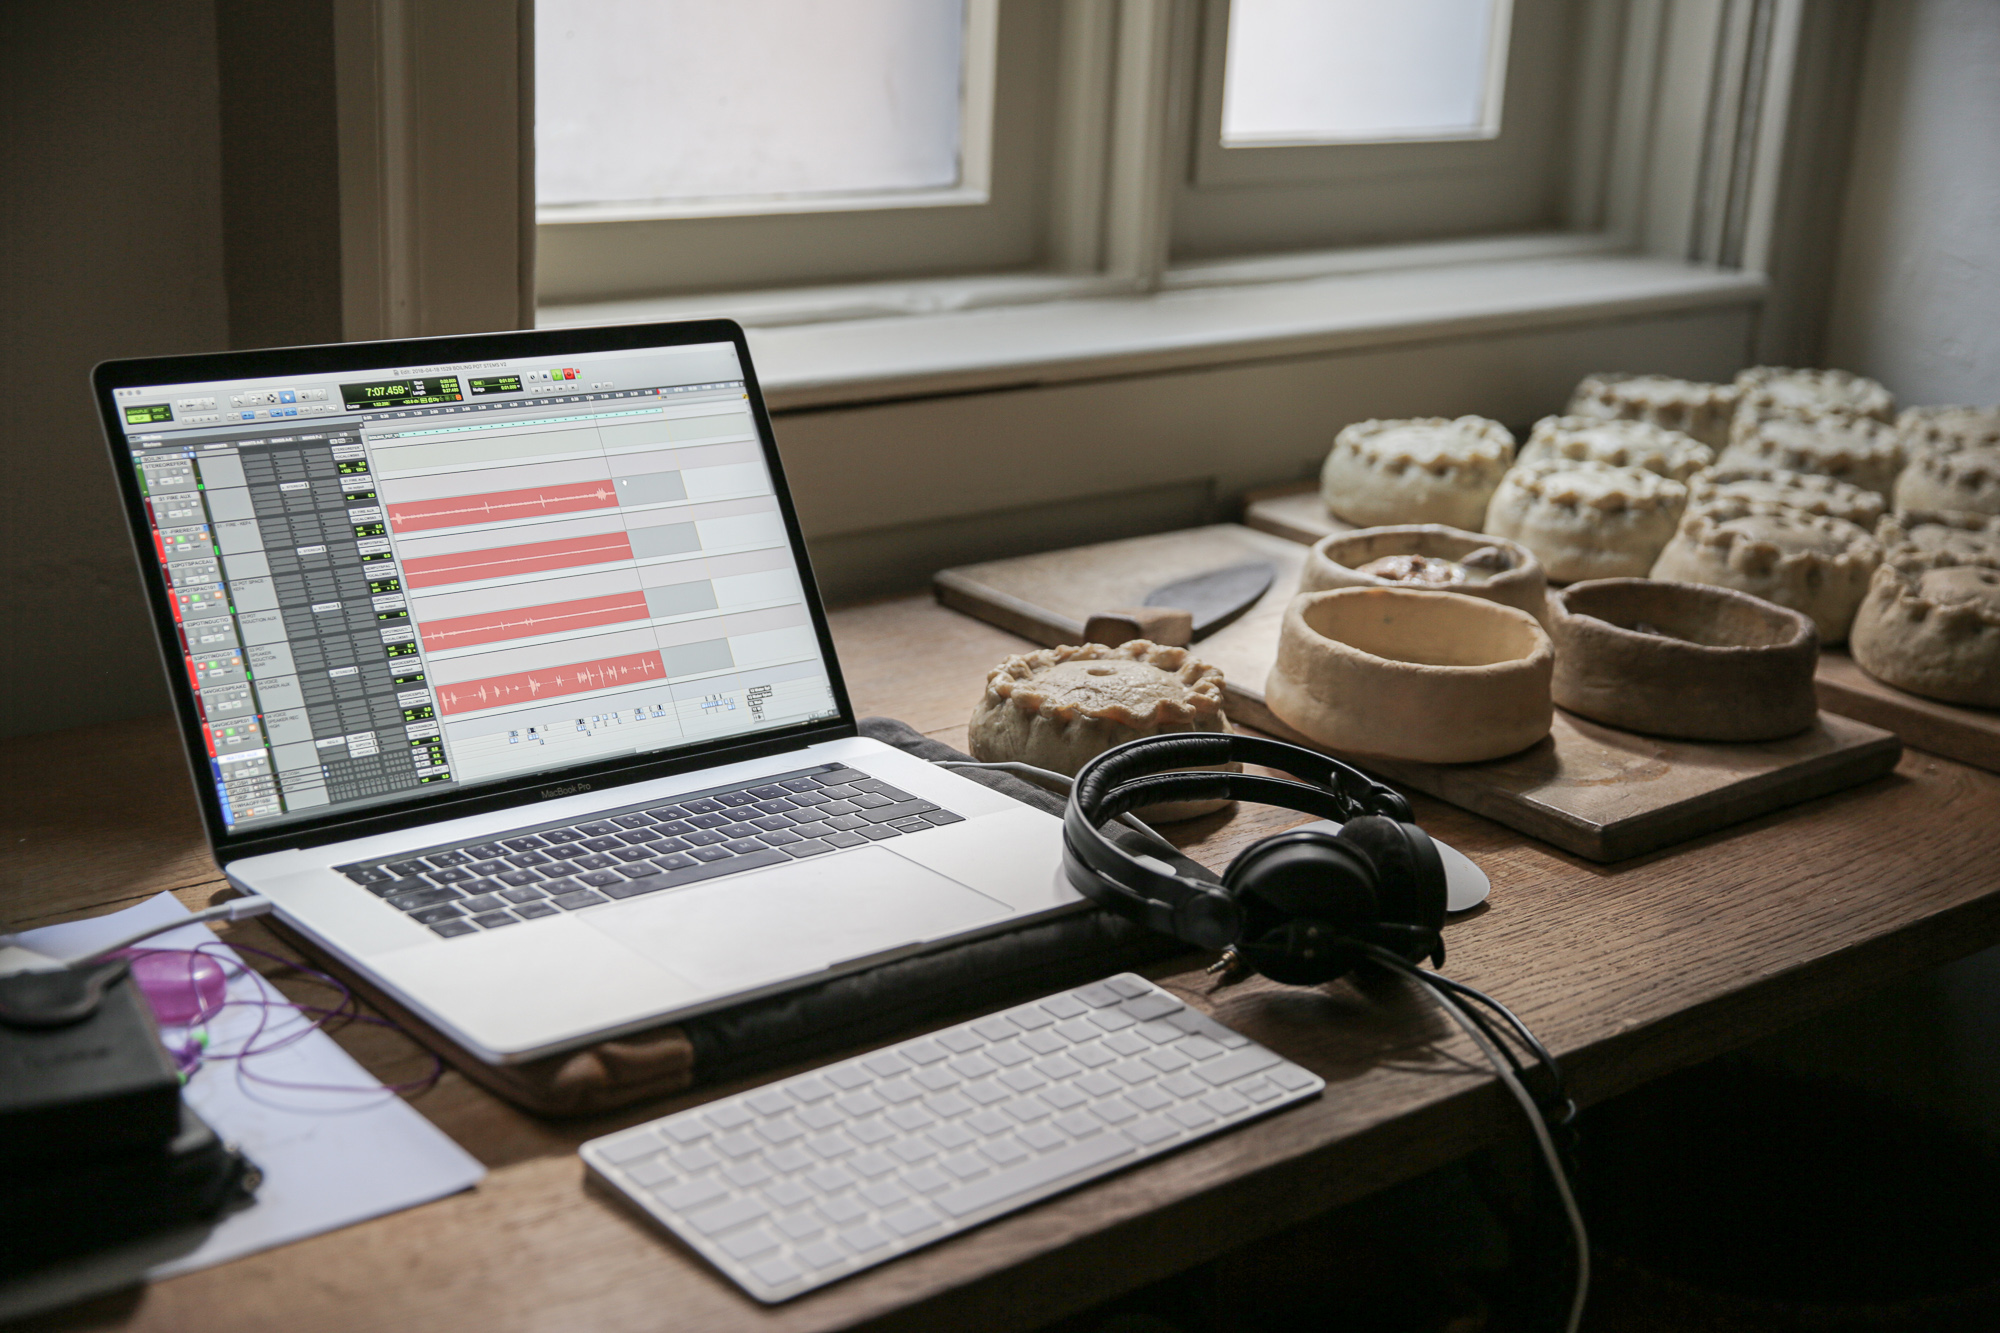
(82,1071)
(1303,907)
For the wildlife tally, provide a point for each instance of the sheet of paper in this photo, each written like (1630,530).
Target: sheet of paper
(329,1158)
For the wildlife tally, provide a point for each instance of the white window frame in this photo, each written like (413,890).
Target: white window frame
(978,73)
(1685,164)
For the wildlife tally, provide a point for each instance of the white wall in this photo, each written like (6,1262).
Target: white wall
(1917,294)
(1916,304)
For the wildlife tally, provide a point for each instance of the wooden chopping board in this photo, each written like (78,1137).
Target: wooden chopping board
(1601,793)
(1294,512)
(1969,735)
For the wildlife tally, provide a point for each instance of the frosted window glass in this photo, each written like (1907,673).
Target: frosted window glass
(688,100)
(1351,71)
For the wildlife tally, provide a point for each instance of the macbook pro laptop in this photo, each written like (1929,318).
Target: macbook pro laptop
(502,672)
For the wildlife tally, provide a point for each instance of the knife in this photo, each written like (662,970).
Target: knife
(1186,610)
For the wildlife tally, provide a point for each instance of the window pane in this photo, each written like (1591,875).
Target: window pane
(688,100)
(1352,71)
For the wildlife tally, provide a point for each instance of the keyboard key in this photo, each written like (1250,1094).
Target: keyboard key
(1232,1067)
(525,894)
(556,870)
(638,869)
(527,844)
(597,828)
(767,793)
(711,853)
(422,898)
(777,1271)
(739,830)
(802,850)
(430,916)
(531,911)
(407,868)
(667,814)
(878,832)
(692,1195)
(821,1254)
(632,821)
(485,850)
(863,1238)
(599,879)
(910,1221)
(595,861)
(801,1226)
(742,846)
(713,820)
(368,874)
(451,875)
(937,818)
(488,867)
(778,838)
(560,836)
(700,806)
(1033,1174)
(639,837)
(1155,1129)
(749,1244)
(449,929)
(837,808)
(800,784)
(569,902)
(526,859)
(675,861)
(494,920)
(448,858)
(733,799)
(706,837)
(774,823)
(604,843)
(557,887)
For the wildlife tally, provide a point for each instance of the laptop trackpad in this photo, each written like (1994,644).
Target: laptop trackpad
(743,931)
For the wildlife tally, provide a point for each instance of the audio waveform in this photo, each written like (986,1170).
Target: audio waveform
(492,626)
(432,571)
(552,682)
(459,510)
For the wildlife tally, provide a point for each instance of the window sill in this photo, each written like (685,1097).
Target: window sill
(1068,330)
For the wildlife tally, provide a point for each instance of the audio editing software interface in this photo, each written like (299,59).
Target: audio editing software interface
(457,574)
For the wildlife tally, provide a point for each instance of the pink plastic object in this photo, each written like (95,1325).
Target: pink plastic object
(183,988)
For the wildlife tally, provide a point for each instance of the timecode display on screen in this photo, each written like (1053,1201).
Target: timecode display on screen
(415,391)
(496,384)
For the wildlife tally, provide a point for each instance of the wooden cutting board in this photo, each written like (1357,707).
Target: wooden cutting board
(1601,793)
(1969,735)
(1294,512)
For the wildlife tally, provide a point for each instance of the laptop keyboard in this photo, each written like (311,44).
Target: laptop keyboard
(545,870)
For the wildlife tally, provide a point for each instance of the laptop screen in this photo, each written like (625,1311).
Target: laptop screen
(387,584)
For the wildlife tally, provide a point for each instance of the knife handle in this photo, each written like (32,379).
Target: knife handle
(1162,624)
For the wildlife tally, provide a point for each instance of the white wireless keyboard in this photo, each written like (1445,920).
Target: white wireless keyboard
(803,1182)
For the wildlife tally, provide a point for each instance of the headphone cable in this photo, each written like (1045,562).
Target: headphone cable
(1504,1069)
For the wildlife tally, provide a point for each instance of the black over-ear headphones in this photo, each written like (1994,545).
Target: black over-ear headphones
(1299,907)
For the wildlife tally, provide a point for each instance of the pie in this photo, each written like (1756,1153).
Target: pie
(1403,674)
(1620,443)
(1701,411)
(1775,391)
(1809,562)
(1058,708)
(1425,470)
(1934,629)
(1967,480)
(1946,533)
(1587,520)
(1427,556)
(1948,428)
(1810,491)
(1860,451)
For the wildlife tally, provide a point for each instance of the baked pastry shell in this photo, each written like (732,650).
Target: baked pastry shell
(1401,674)
(1736,667)
(1826,587)
(1335,562)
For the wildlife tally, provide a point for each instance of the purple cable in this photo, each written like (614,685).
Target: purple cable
(191,1057)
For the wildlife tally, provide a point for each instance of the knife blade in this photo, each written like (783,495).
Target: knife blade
(1216,596)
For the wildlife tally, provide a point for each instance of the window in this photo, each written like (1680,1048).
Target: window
(687,147)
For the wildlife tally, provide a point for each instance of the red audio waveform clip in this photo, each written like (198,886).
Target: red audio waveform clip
(430,571)
(458,510)
(526,686)
(491,626)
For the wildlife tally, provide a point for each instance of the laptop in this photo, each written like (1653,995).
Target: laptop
(502,673)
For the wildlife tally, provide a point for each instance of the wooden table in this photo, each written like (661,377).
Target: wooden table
(1627,971)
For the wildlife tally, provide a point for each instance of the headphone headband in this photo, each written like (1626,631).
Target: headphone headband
(1127,776)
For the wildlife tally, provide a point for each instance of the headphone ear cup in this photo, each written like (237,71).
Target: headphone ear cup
(1410,879)
(1299,893)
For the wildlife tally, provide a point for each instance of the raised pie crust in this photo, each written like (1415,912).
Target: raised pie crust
(1857,450)
(1702,411)
(1942,534)
(1058,708)
(1775,391)
(1620,443)
(1683,659)
(1933,630)
(1402,674)
(1948,428)
(1967,480)
(1810,491)
(1587,520)
(1428,557)
(1809,562)
(1421,470)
